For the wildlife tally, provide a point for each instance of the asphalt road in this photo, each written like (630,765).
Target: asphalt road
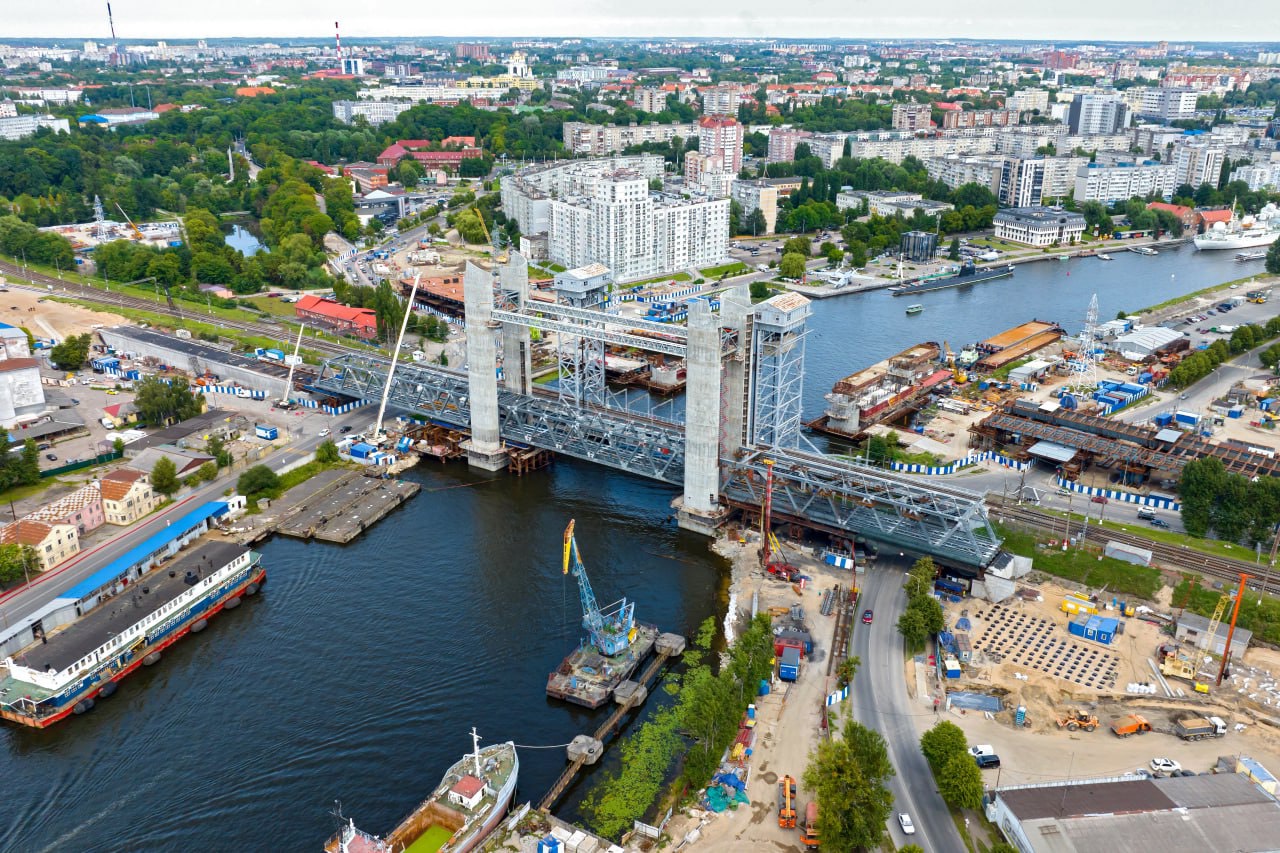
(22,601)
(880,701)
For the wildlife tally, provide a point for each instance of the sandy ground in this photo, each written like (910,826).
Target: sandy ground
(1041,752)
(787,727)
(49,319)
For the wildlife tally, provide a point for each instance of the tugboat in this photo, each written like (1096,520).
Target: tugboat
(469,802)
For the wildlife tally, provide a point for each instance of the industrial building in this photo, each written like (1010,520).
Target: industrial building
(343,319)
(195,358)
(1186,814)
(1194,629)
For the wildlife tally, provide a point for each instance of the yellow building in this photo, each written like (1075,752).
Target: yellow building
(127,496)
(52,543)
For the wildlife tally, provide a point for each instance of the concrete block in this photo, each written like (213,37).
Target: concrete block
(587,748)
(670,644)
(630,693)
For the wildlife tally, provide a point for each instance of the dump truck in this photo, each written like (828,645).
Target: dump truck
(787,803)
(809,832)
(1130,724)
(1200,728)
(1077,719)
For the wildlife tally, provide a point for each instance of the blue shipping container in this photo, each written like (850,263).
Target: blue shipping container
(789,665)
(270,433)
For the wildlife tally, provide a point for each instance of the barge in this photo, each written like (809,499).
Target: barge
(66,671)
(470,801)
(886,391)
(588,677)
(968,274)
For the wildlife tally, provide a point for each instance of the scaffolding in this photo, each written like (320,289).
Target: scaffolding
(580,358)
(777,356)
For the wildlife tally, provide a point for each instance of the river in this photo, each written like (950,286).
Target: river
(358,672)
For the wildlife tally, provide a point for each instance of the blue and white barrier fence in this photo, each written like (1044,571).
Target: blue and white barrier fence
(229,389)
(1123,497)
(448,318)
(333,410)
(971,459)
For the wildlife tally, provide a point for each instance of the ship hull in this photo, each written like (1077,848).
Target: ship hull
(1237,242)
(955,281)
(502,803)
(121,668)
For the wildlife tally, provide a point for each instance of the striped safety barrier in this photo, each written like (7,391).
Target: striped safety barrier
(1157,501)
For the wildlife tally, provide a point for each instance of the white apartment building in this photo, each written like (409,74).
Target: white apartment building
(636,233)
(1168,104)
(649,99)
(1027,100)
(1026,141)
(1122,181)
(374,112)
(597,139)
(20,126)
(720,100)
(1091,114)
(8,109)
(911,117)
(1197,162)
(1266,176)
(527,195)
(721,136)
(758,195)
(1039,226)
(896,147)
(955,171)
(1029,182)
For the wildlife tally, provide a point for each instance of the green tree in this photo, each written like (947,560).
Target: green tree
(17,562)
(911,627)
(1273,258)
(164,477)
(28,468)
(327,452)
(756,223)
(163,403)
(960,782)
(1199,485)
(72,353)
(953,253)
(847,670)
(206,473)
(848,776)
(118,445)
(258,481)
(217,448)
(759,290)
(920,577)
(792,266)
(802,246)
(930,610)
(943,741)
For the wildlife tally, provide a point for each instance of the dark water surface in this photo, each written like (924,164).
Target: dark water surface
(358,672)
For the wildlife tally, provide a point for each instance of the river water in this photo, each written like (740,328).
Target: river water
(359,671)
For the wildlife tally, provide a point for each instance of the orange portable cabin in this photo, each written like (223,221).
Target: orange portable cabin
(787,803)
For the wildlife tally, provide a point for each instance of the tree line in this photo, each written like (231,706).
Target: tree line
(1234,507)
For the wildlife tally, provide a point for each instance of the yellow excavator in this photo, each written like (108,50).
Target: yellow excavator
(957,374)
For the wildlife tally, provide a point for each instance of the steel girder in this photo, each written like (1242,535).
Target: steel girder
(594,329)
(629,443)
(946,522)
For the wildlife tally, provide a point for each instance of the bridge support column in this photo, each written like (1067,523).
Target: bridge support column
(735,415)
(517,368)
(699,508)
(484,448)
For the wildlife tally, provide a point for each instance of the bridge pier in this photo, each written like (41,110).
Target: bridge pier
(699,509)
(484,448)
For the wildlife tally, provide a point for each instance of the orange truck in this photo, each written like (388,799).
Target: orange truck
(787,803)
(809,833)
(1131,724)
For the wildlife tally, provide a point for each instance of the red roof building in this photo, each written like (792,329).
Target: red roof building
(447,154)
(361,322)
(1185,215)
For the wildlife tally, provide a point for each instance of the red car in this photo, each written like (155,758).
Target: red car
(1099,499)
(866,617)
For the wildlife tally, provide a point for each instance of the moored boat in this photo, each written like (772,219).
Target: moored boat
(915,309)
(1249,232)
(471,799)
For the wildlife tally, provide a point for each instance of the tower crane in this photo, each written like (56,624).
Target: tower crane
(611,630)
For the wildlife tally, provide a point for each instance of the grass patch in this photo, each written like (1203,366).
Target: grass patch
(1263,619)
(21,493)
(1002,373)
(679,276)
(1084,565)
(271,306)
(735,268)
(1213,547)
(546,378)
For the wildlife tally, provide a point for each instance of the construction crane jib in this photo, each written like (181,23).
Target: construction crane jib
(611,630)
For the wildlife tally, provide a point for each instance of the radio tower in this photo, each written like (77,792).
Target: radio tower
(1086,365)
(99,220)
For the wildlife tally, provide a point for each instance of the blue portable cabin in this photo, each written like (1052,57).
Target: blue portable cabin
(1099,629)
(789,664)
(266,431)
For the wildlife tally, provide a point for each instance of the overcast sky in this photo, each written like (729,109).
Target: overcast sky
(1181,20)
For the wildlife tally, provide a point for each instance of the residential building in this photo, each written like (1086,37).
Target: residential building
(1039,226)
(127,496)
(1212,811)
(954,119)
(474,52)
(1258,177)
(598,139)
(186,462)
(1168,104)
(1186,215)
(1032,181)
(707,174)
(1028,101)
(8,109)
(956,171)
(828,147)
(21,393)
(374,112)
(1121,181)
(21,126)
(721,136)
(361,322)
(911,117)
(720,100)
(1196,162)
(1097,114)
(783,142)
(527,195)
(52,543)
(763,195)
(895,146)
(82,509)
(647,99)
(1033,140)
(891,202)
(617,221)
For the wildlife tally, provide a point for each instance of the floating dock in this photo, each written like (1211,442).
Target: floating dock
(1015,343)
(338,505)
(588,678)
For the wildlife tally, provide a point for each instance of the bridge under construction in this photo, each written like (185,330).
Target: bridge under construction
(745,376)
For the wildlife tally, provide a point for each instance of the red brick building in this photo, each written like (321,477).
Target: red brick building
(446,154)
(361,322)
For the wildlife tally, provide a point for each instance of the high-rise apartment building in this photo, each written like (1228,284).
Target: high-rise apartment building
(1097,114)
(783,142)
(720,100)
(1168,104)
(1197,162)
(721,136)
(911,117)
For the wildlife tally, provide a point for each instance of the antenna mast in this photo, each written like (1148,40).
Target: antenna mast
(1085,364)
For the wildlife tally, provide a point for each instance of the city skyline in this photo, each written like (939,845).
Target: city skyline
(87,19)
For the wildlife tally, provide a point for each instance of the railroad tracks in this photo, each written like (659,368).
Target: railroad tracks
(1174,556)
(39,283)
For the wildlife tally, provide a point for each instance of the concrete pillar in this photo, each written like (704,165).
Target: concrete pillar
(735,313)
(484,448)
(517,359)
(699,506)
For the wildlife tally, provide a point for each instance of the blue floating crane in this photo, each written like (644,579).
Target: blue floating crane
(611,630)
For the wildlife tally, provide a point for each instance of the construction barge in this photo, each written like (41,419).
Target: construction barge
(966,275)
(883,393)
(614,647)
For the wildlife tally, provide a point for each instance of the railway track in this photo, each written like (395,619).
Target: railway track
(1174,556)
(39,282)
